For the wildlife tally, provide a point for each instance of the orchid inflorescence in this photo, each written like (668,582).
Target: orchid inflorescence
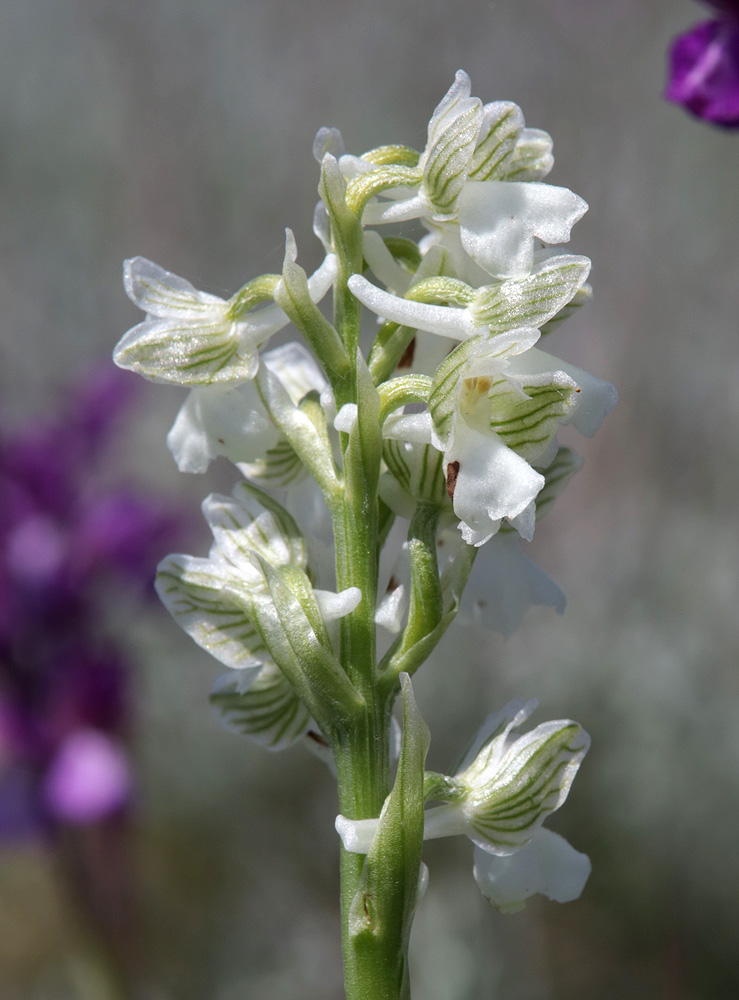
(445,420)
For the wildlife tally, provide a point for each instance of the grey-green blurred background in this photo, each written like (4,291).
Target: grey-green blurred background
(182,130)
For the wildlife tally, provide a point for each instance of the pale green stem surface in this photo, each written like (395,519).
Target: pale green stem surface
(362,751)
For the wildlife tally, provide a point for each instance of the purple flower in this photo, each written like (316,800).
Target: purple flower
(88,779)
(66,536)
(704,67)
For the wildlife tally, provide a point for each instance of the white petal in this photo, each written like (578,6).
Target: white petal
(328,140)
(495,353)
(391,609)
(161,293)
(352,166)
(495,731)
(445,320)
(444,821)
(323,277)
(446,245)
(499,220)
(346,418)
(321,225)
(492,482)
(393,605)
(333,606)
(217,421)
(296,368)
(595,400)
(511,583)
(412,206)
(415,427)
(546,865)
(356,834)
(384,266)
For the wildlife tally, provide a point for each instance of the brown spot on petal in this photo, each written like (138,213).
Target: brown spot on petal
(392,585)
(317,738)
(452,471)
(478,384)
(406,359)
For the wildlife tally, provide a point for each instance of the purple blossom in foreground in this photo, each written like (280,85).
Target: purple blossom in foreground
(64,684)
(704,67)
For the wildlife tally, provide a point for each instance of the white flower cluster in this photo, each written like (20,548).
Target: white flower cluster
(454,405)
(469,303)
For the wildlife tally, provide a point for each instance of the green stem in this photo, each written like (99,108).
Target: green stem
(362,749)
(362,765)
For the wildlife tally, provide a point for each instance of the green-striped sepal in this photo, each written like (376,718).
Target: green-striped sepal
(279,466)
(213,604)
(446,387)
(190,337)
(414,474)
(534,300)
(524,411)
(511,783)
(252,600)
(215,599)
(581,297)
(451,308)
(452,136)
(532,157)
(263,707)
(506,151)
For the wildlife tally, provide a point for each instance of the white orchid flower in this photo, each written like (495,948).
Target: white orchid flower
(531,301)
(494,407)
(252,534)
(506,787)
(480,172)
(226,603)
(194,338)
(231,421)
(475,408)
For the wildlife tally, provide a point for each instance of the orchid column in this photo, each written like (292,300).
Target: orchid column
(446,419)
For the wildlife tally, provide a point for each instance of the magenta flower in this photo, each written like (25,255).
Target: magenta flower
(64,684)
(704,67)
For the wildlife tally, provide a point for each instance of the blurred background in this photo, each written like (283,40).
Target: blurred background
(182,131)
